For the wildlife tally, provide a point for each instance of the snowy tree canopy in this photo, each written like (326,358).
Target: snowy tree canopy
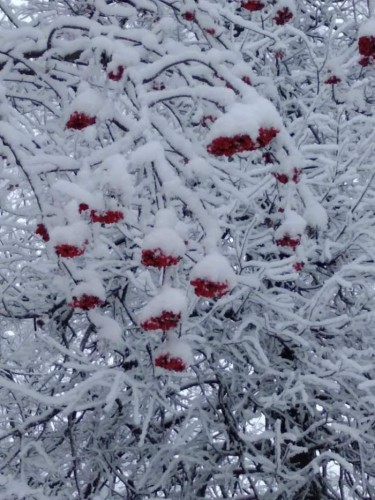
(187,249)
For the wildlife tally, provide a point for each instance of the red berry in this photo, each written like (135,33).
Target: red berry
(210,31)
(86,302)
(298,266)
(168,362)
(283,16)
(296,174)
(209,289)
(108,217)
(279,54)
(166,321)
(189,16)
(79,121)
(69,251)
(366,46)
(156,258)
(246,79)
(118,75)
(282,178)
(287,241)
(41,231)
(252,5)
(83,207)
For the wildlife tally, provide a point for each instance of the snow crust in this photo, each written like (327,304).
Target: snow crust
(293,225)
(199,167)
(72,234)
(367,28)
(246,119)
(169,299)
(168,240)
(114,173)
(335,68)
(166,217)
(93,286)
(107,327)
(176,348)
(215,267)
(87,101)
(314,214)
(79,193)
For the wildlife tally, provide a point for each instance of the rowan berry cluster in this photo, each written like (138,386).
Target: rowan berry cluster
(170,363)
(108,217)
(41,231)
(156,258)
(116,76)
(209,289)
(228,146)
(85,302)
(79,121)
(333,80)
(288,241)
(284,178)
(69,251)
(166,321)
(252,5)
(283,16)
(366,46)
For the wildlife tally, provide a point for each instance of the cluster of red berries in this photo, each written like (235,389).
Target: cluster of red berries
(86,302)
(69,251)
(156,258)
(166,321)
(228,146)
(283,16)
(366,46)
(288,241)
(79,121)
(189,16)
(41,231)
(108,217)
(252,5)
(116,76)
(209,289)
(284,178)
(167,362)
(333,80)
(265,136)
